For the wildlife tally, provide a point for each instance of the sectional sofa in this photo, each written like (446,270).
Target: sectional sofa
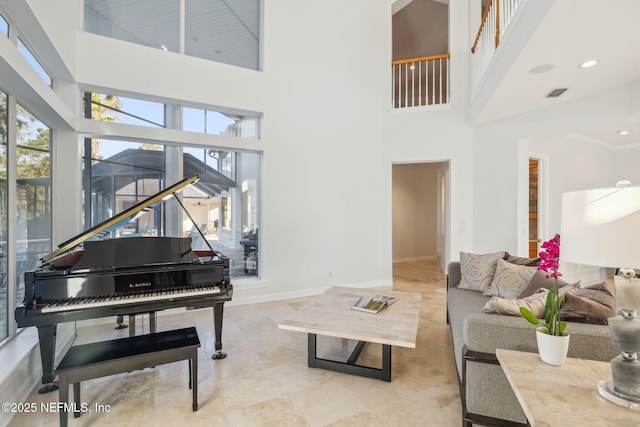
(487,398)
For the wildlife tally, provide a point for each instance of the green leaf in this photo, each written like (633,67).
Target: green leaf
(529,316)
(548,308)
(561,327)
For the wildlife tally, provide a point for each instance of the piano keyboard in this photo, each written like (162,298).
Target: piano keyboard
(108,300)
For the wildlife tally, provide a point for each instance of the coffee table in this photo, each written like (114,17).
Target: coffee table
(330,314)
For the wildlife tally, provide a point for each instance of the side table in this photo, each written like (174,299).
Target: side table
(563,396)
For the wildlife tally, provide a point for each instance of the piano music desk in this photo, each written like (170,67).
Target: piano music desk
(100,359)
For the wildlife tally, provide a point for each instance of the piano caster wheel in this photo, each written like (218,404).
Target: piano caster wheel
(48,388)
(219,354)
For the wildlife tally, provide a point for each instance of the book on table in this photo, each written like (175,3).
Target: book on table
(373,304)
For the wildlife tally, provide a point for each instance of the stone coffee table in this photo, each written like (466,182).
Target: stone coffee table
(330,314)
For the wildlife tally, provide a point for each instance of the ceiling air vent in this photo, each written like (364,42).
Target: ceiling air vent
(556,92)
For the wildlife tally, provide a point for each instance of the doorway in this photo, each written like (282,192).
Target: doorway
(534,207)
(420,206)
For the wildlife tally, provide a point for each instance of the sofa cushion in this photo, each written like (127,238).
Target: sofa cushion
(540,281)
(534,303)
(530,262)
(509,306)
(510,280)
(477,270)
(593,304)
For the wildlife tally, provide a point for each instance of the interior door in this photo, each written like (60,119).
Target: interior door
(534,207)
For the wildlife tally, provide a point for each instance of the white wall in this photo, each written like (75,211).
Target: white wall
(575,163)
(322,91)
(500,161)
(440,134)
(627,163)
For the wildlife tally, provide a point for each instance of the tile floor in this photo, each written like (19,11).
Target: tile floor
(265,380)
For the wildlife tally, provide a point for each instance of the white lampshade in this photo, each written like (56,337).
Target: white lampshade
(601,227)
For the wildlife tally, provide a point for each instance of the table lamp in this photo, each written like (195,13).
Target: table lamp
(601,227)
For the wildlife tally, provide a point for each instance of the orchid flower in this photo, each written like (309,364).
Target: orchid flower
(550,263)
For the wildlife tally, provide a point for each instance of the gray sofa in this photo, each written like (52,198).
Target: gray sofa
(487,398)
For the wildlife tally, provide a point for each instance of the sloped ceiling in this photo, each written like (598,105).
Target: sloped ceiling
(571,32)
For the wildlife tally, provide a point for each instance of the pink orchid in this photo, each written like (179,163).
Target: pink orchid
(550,257)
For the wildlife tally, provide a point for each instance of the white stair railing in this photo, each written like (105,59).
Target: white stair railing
(420,81)
(495,21)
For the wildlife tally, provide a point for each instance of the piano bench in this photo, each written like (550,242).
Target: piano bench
(100,359)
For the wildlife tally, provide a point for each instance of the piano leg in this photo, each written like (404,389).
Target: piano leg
(120,322)
(132,325)
(218,309)
(47,338)
(152,322)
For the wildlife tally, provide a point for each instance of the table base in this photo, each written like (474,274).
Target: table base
(350,366)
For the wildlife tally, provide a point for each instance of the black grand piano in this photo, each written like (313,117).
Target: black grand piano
(88,277)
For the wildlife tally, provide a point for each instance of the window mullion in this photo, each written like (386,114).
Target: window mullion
(12,211)
(182,25)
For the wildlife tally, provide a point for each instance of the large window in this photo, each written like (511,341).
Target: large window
(33,185)
(119,109)
(4,237)
(223,203)
(25,164)
(25,184)
(120,173)
(24,50)
(4,26)
(226,31)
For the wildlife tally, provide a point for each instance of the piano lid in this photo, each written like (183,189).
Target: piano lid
(123,217)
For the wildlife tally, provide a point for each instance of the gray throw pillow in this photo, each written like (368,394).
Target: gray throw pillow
(530,262)
(477,270)
(539,281)
(593,304)
(510,280)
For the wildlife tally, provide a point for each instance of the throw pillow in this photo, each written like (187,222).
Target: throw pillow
(531,262)
(534,303)
(510,280)
(539,281)
(593,304)
(477,270)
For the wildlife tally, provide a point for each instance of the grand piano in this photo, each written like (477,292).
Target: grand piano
(91,276)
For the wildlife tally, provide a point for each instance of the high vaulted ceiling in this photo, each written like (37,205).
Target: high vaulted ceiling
(560,36)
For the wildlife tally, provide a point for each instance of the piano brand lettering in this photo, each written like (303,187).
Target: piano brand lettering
(140,285)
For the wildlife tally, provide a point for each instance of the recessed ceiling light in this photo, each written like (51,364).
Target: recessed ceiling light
(623,132)
(541,69)
(589,63)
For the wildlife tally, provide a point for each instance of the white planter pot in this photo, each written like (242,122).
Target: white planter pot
(552,349)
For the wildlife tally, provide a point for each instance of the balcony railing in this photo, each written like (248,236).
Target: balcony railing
(420,81)
(495,21)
